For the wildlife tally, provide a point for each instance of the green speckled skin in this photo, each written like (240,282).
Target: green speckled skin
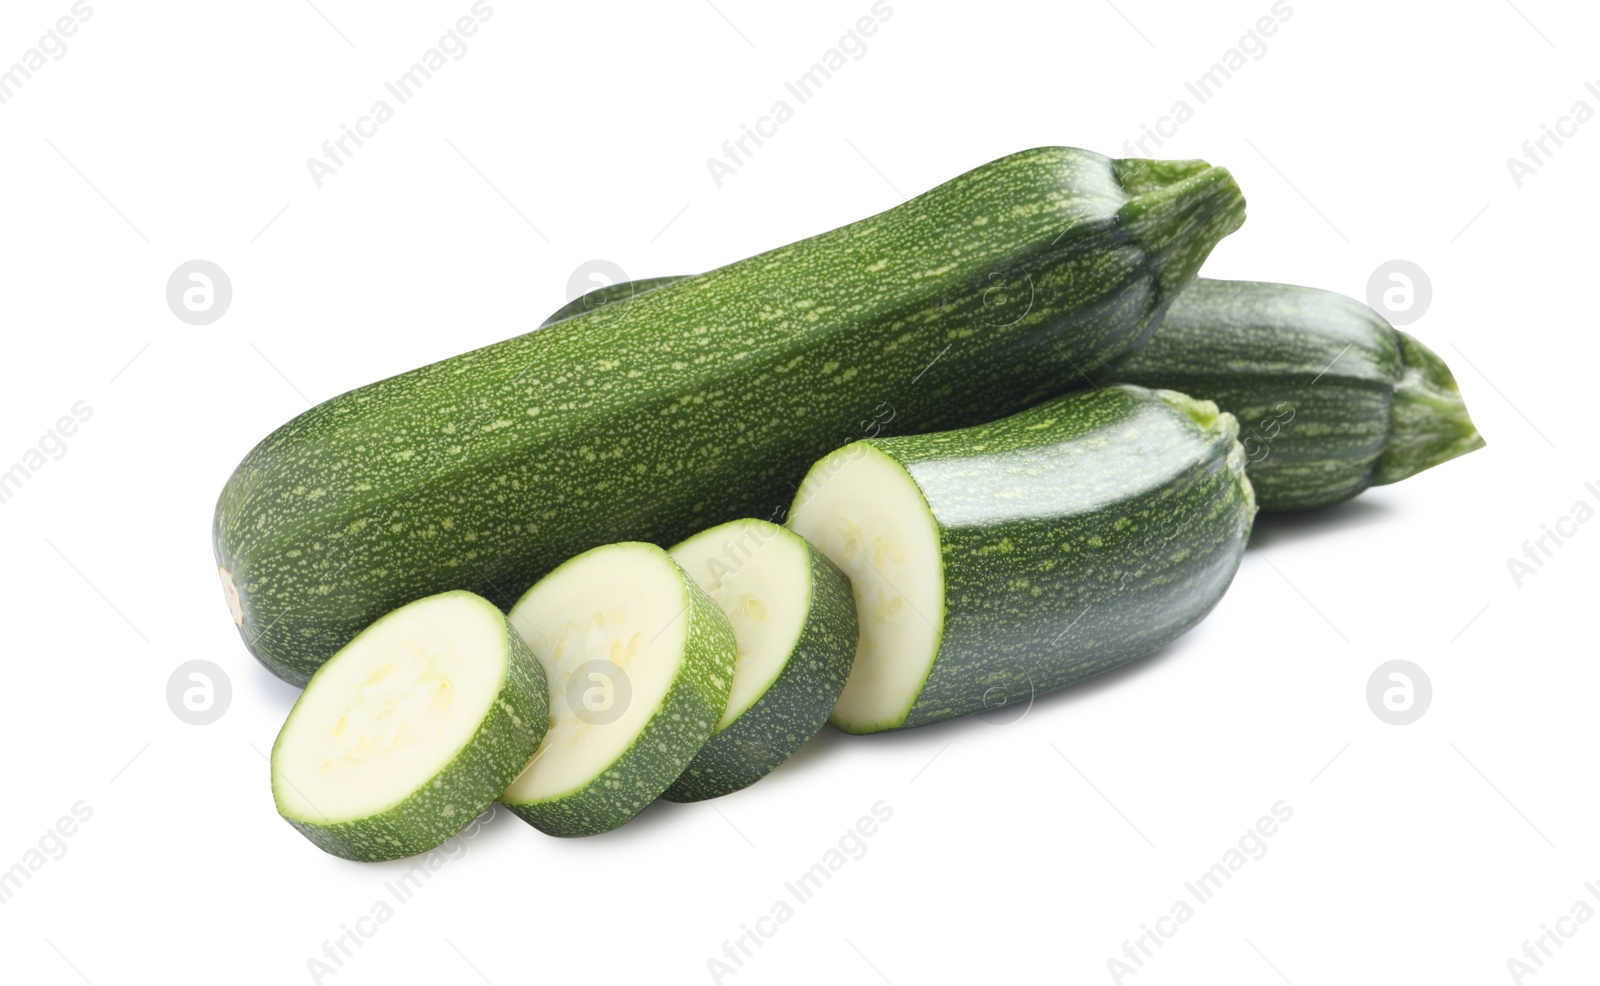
(1076,536)
(622,291)
(797,703)
(1330,399)
(677,731)
(706,399)
(491,759)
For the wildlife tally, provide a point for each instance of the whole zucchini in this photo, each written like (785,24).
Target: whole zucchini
(1330,398)
(706,399)
(995,563)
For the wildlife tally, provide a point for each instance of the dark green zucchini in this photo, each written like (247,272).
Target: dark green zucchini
(608,295)
(1330,398)
(999,562)
(704,400)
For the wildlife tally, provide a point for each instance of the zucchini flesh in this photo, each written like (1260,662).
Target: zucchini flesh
(704,400)
(640,663)
(1003,561)
(1330,398)
(410,730)
(794,620)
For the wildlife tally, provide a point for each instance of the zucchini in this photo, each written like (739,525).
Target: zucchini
(640,663)
(1330,398)
(1010,559)
(704,400)
(794,619)
(410,730)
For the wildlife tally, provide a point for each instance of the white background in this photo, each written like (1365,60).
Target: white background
(1022,852)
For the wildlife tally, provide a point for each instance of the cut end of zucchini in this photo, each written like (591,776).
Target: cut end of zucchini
(230,592)
(862,510)
(1429,423)
(410,730)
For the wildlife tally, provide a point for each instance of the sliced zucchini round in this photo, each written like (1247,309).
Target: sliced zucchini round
(410,730)
(640,664)
(794,620)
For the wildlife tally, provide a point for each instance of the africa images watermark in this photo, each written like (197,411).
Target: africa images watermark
(851,845)
(51,847)
(398,892)
(337,153)
(52,446)
(1537,152)
(1538,950)
(852,46)
(1553,535)
(1252,46)
(1252,845)
(52,46)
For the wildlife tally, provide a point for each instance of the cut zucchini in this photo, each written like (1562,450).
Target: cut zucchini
(794,620)
(640,665)
(999,562)
(410,730)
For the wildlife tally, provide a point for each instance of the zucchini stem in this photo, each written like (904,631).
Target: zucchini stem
(1428,419)
(1177,211)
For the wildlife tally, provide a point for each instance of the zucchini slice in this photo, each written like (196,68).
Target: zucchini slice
(410,730)
(640,664)
(999,562)
(794,619)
